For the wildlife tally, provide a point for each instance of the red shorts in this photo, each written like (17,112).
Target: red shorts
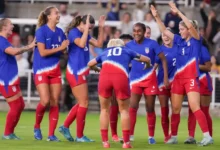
(204,90)
(117,82)
(163,91)
(148,87)
(74,81)
(183,86)
(44,78)
(12,90)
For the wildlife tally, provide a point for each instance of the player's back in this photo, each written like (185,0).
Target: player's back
(116,60)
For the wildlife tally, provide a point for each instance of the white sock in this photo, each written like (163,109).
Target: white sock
(174,136)
(150,137)
(206,134)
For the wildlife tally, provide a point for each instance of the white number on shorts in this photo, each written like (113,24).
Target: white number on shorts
(174,61)
(115,51)
(192,82)
(55,45)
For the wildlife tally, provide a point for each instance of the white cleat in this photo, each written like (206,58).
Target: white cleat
(206,141)
(172,140)
(131,138)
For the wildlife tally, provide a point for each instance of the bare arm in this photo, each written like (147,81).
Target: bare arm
(92,65)
(206,67)
(194,33)
(164,64)
(160,23)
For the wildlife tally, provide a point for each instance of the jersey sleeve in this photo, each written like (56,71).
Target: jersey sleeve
(73,34)
(205,56)
(157,48)
(40,36)
(99,59)
(5,45)
(177,39)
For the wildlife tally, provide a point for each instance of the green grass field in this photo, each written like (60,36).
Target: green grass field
(25,131)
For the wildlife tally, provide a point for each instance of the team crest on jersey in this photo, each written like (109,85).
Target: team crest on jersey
(188,43)
(86,48)
(59,38)
(147,50)
(14,89)
(39,78)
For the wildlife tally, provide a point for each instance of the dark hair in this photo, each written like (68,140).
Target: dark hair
(42,18)
(77,20)
(3,22)
(141,25)
(148,27)
(126,37)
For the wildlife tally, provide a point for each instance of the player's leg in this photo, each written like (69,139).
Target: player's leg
(44,93)
(164,105)
(205,103)
(55,90)
(134,104)
(104,119)
(114,110)
(151,117)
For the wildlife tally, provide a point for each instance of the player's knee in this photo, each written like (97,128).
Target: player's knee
(176,109)
(45,102)
(84,103)
(150,110)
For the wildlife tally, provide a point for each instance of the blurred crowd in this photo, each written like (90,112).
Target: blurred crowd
(210,30)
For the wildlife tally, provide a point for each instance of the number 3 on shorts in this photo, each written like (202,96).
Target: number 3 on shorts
(192,82)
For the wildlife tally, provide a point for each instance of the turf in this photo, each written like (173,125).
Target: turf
(25,131)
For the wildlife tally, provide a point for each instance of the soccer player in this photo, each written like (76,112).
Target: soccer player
(144,81)
(77,70)
(186,78)
(9,80)
(114,76)
(51,42)
(205,93)
(148,32)
(114,110)
(164,94)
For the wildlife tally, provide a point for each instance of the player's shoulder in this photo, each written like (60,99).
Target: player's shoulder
(59,29)
(130,43)
(74,30)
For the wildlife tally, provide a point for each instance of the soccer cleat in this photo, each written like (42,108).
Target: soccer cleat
(66,133)
(190,140)
(10,137)
(37,134)
(151,140)
(206,141)
(126,145)
(84,139)
(106,144)
(132,138)
(166,139)
(115,138)
(172,140)
(53,138)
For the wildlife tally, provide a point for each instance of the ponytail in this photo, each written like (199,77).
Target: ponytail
(42,18)
(74,23)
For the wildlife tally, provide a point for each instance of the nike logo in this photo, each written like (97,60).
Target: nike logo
(48,39)
(54,119)
(152,91)
(166,54)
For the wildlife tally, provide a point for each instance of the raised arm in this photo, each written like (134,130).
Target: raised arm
(194,33)
(99,42)
(160,23)
(17,51)
(203,14)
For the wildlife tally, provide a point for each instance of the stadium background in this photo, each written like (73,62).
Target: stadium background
(24,13)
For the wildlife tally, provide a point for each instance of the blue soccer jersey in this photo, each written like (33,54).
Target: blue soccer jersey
(187,57)
(116,60)
(149,48)
(51,39)
(78,57)
(204,77)
(8,65)
(170,54)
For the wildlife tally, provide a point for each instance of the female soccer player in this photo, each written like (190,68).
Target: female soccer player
(114,104)
(205,93)
(51,42)
(186,78)
(9,80)
(114,76)
(77,70)
(170,52)
(145,81)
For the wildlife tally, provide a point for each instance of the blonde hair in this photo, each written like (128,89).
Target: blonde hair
(115,42)
(193,22)
(3,22)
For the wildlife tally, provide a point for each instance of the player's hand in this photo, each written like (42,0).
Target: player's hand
(87,21)
(202,5)
(153,11)
(173,7)
(211,15)
(33,44)
(95,68)
(166,83)
(64,44)
(102,21)
(147,65)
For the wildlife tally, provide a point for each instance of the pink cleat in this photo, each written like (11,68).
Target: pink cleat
(127,145)
(106,144)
